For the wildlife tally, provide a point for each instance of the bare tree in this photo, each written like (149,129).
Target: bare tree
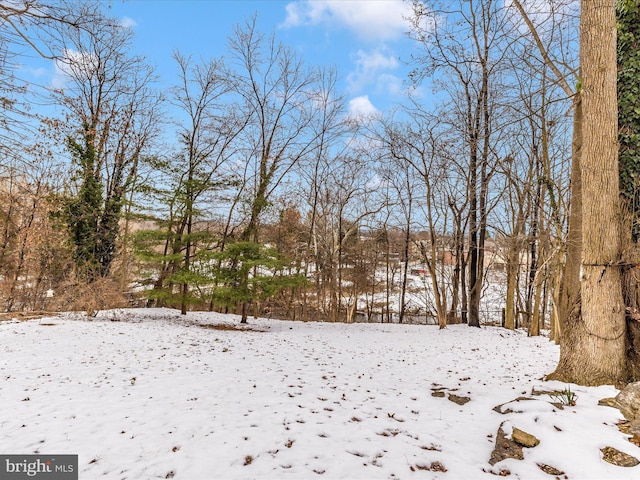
(276,92)
(207,139)
(193,178)
(462,48)
(565,72)
(345,202)
(286,106)
(33,257)
(400,201)
(29,27)
(536,174)
(415,145)
(333,133)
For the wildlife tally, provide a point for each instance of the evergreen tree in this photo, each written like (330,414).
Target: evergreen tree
(248,272)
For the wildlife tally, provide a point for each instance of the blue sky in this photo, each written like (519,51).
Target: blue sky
(364,39)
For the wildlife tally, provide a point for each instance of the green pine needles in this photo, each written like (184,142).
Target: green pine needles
(247,271)
(241,274)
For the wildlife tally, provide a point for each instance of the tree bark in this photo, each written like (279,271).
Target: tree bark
(593,349)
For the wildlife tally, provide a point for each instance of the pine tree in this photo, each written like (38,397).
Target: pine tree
(248,272)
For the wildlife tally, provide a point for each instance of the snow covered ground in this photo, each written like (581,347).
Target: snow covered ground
(146,394)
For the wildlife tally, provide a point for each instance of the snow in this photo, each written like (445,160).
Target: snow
(147,393)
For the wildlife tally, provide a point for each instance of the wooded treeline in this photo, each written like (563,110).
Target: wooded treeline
(249,188)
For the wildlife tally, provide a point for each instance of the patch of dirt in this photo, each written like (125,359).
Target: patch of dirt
(225,327)
(433,467)
(549,470)
(505,448)
(460,400)
(432,448)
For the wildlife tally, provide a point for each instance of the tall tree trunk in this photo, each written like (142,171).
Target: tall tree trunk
(513,266)
(570,285)
(385,312)
(593,348)
(405,271)
(458,271)
(474,281)
(534,327)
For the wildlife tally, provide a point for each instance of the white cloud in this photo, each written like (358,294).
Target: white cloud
(376,60)
(72,64)
(391,84)
(128,22)
(369,19)
(60,75)
(369,66)
(360,107)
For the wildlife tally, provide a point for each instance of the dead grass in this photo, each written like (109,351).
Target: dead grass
(90,298)
(23,316)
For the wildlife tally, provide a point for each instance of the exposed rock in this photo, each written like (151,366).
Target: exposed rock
(628,401)
(608,402)
(624,426)
(505,448)
(631,429)
(458,399)
(437,394)
(548,469)
(616,457)
(523,438)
